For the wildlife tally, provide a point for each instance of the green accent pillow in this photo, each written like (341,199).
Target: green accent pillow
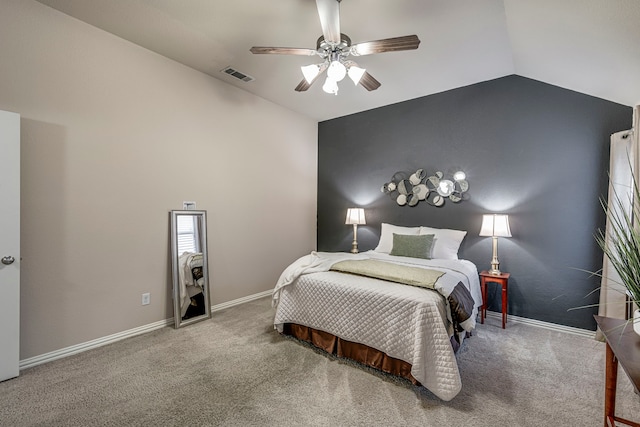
(412,246)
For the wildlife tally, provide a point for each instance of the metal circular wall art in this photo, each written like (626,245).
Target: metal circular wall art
(432,189)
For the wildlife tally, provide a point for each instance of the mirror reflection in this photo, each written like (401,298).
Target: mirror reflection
(191,300)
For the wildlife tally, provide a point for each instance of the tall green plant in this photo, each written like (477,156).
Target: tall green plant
(622,247)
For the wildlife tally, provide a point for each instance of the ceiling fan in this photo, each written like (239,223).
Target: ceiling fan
(334,48)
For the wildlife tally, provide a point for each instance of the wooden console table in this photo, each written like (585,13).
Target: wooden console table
(623,347)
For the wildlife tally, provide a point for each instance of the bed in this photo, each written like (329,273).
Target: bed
(357,306)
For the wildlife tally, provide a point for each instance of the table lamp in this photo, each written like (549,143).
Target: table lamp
(495,225)
(355,216)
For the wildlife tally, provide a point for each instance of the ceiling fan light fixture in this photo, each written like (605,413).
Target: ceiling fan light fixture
(330,86)
(336,71)
(334,48)
(310,72)
(356,73)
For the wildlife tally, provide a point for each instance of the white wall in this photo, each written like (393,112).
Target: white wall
(113,137)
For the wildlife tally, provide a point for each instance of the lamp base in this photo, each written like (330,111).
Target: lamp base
(354,244)
(495,264)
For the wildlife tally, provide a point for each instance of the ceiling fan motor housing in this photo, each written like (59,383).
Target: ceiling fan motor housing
(325,49)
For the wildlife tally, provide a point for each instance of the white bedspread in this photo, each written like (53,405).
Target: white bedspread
(406,322)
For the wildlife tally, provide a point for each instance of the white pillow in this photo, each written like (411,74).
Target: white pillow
(386,236)
(446,243)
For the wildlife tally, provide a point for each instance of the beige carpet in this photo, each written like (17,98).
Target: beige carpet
(234,370)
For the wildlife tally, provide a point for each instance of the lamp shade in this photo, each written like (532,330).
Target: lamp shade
(355,216)
(355,74)
(310,72)
(336,71)
(495,225)
(330,86)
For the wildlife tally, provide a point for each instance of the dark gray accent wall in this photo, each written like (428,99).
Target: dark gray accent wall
(534,151)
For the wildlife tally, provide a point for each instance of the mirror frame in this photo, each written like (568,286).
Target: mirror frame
(179,322)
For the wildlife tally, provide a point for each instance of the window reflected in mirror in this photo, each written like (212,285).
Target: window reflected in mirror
(188,239)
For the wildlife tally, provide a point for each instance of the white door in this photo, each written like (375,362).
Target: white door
(9,244)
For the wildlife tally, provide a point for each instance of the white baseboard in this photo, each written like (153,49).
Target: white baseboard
(99,342)
(545,325)
(78,348)
(242,300)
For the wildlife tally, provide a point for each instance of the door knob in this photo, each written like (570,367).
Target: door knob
(7,260)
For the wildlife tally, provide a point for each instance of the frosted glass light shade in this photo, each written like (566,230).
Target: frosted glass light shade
(336,71)
(356,73)
(495,225)
(310,72)
(330,86)
(355,216)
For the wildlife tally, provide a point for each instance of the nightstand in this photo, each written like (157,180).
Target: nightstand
(501,279)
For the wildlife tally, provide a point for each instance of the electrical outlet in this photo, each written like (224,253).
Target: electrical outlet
(146,299)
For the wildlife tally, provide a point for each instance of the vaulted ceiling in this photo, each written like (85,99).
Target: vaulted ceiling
(590,46)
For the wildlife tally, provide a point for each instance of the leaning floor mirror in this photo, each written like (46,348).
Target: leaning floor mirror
(189,267)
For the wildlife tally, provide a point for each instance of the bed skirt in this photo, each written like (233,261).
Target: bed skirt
(359,352)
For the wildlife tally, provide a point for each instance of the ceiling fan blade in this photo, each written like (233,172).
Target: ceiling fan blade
(369,82)
(283,51)
(303,85)
(385,45)
(329,12)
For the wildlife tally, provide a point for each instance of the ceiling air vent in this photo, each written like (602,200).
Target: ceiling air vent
(238,75)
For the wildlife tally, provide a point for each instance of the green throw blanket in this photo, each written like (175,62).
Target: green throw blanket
(413,276)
